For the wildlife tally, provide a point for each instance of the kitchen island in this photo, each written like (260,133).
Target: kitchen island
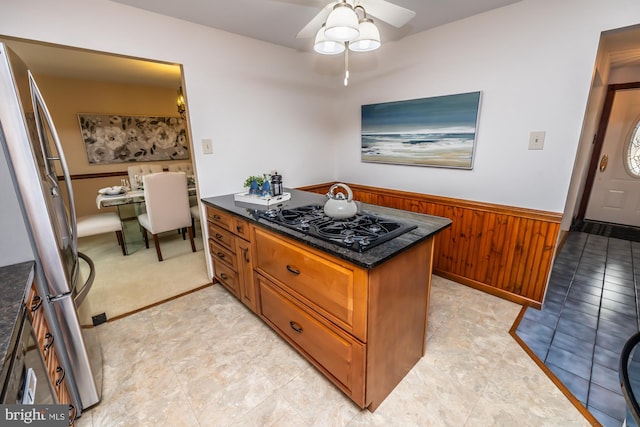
(360,317)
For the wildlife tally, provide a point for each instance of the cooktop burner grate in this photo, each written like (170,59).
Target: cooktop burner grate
(358,233)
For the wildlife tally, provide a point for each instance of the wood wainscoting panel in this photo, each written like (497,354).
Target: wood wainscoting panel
(503,250)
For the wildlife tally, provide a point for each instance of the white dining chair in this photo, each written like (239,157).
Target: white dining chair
(135,179)
(167,203)
(187,168)
(195,216)
(108,222)
(181,167)
(141,169)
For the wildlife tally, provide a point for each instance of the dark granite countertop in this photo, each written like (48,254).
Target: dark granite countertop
(14,281)
(427,226)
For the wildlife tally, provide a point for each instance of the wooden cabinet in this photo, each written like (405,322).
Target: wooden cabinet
(332,287)
(45,340)
(363,328)
(337,354)
(231,254)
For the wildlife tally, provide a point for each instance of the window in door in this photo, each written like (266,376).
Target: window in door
(632,153)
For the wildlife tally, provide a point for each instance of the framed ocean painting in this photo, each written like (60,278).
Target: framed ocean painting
(438,131)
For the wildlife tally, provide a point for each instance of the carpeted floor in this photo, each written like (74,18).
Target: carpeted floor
(125,284)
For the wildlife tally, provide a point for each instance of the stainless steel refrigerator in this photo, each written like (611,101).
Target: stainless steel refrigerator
(35,160)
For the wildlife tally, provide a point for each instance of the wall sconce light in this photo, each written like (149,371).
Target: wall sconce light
(180,103)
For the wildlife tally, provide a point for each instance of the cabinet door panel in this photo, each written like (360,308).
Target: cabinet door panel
(331,289)
(244,260)
(335,352)
(241,228)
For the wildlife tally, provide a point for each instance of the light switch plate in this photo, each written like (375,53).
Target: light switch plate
(536,140)
(207,146)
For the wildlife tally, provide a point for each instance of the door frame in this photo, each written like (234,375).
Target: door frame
(598,142)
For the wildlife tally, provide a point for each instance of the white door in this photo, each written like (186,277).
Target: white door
(615,196)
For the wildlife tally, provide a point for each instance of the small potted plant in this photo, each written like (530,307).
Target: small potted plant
(254,184)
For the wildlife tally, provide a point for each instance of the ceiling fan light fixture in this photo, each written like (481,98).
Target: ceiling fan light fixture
(342,23)
(326,47)
(369,38)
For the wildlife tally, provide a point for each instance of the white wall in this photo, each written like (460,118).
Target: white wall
(533,62)
(267,107)
(261,104)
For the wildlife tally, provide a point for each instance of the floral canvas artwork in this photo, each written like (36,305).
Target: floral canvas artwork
(438,131)
(121,139)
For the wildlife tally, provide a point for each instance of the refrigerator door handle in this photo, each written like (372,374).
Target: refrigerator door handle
(80,294)
(40,106)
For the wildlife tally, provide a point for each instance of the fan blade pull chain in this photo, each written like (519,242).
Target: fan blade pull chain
(346,64)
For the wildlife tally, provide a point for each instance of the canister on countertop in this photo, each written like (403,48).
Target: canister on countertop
(276,184)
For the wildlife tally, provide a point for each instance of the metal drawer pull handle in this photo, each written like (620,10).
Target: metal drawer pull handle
(216,217)
(218,236)
(293,270)
(296,327)
(36,304)
(59,380)
(239,228)
(246,254)
(224,276)
(49,343)
(72,410)
(220,255)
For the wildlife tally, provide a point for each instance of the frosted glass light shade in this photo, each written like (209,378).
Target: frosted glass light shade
(369,38)
(326,47)
(342,24)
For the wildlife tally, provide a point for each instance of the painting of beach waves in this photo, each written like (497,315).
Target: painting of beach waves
(438,131)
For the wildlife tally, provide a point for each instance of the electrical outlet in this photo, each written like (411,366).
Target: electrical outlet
(536,140)
(207,146)
(99,319)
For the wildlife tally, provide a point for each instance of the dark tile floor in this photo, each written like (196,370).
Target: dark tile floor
(590,310)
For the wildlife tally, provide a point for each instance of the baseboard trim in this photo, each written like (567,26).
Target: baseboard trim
(559,384)
(155,304)
(500,293)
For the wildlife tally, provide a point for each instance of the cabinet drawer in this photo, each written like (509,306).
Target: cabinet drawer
(333,351)
(227,277)
(223,255)
(223,237)
(333,290)
(220,218)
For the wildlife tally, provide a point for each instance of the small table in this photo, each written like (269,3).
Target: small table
(124,202)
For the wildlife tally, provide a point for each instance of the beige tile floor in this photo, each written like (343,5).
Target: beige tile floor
(205,360)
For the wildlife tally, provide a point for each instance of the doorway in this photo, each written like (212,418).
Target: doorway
(607,193)
(614,185)
(77,81)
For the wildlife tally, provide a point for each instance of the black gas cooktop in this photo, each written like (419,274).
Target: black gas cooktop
(358,233)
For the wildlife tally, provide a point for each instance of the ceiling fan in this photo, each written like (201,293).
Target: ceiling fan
(345,25)
(385,11)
